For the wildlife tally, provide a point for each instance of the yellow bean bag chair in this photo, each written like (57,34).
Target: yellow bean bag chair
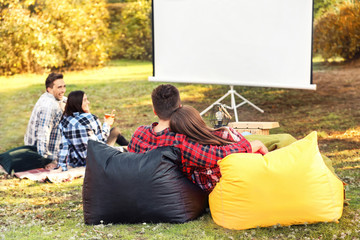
(291,185)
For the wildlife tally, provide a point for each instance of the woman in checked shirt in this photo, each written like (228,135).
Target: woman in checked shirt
(77,126)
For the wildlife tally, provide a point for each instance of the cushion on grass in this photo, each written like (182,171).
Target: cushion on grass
(22,159)
(132,188)
(291,185)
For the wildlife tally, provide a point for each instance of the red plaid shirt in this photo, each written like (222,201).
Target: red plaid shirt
(199,162)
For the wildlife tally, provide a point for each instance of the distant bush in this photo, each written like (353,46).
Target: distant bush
(120,1)
(131,32)
(47,34)
(322,6)
(27,43)
(82,30)
(337,33)
(115,10)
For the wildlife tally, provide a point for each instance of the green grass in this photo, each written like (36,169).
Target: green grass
(320,64)
(30,210)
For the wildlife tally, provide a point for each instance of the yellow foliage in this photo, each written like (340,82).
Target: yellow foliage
(337,33)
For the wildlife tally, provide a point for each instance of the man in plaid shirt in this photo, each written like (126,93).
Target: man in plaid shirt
(199,162)
(42,130)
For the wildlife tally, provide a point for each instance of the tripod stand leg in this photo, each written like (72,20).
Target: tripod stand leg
(250,103)
(233,103)
(217,101)
(234,107)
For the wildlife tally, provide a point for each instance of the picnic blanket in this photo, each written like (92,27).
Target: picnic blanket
(54,176)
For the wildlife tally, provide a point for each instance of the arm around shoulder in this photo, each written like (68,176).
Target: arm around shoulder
(258,147)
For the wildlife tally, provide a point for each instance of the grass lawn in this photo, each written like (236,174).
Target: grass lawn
(30,210)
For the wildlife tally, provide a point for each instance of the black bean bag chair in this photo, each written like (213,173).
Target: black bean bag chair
(21,159)
(133,188)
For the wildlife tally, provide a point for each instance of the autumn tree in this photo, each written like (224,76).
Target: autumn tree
(47,34)
(337,32)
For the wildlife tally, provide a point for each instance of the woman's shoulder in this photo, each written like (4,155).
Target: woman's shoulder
(65,121)
(78,119)
(86,118)
(88,115)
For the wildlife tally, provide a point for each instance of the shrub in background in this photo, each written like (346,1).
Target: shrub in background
(131,34)
(322,6)
(82,30)
(337,33)
(120,1)
(47,34)
(27,42)
(115,10)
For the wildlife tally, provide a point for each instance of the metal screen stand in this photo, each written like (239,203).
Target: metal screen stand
(233,106)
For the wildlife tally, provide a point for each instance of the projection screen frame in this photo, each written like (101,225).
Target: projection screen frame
(310,86)
(262,83)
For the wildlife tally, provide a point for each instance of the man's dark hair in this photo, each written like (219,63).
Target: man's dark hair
(49,83)
(74,103)
(165,99)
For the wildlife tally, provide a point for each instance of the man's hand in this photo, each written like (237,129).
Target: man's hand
(258,147)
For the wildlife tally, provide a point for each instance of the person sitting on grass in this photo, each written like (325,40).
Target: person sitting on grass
(42,130)
(199,161)
(77,126)
(42,137)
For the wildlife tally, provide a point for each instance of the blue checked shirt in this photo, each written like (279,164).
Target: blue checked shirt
(42,130)
(75,132)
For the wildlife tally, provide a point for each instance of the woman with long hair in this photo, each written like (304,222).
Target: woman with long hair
(187,120)
(77,126)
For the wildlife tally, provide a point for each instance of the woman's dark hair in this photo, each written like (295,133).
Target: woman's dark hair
(74,103)
(187,120)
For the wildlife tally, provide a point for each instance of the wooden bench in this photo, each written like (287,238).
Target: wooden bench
(260,128)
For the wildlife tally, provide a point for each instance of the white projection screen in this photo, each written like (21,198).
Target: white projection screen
(258,43)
